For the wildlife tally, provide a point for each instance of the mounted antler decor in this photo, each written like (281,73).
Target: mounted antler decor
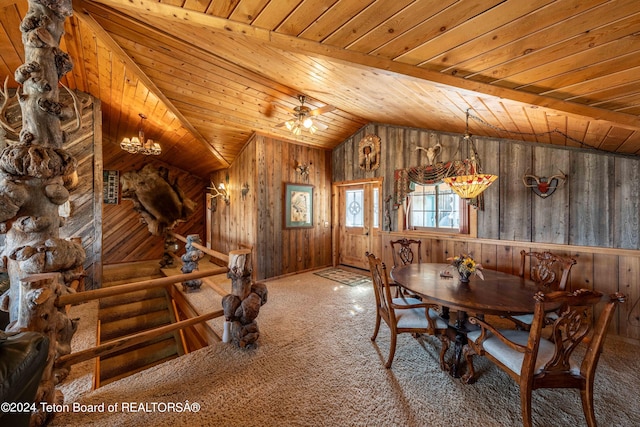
(432,153)
(544,186)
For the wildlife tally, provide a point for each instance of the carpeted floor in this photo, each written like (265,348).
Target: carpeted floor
(316,366)
(344,277)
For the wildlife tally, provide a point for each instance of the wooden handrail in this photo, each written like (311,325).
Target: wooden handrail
(131,340)
(85,296)
(215,254)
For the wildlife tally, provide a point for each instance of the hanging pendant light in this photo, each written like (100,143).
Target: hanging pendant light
(473,182)
(138,144)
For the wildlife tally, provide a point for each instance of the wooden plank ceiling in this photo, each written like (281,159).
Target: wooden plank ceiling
(208,74)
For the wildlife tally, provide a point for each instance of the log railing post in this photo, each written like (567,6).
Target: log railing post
(242,305)
(190,261)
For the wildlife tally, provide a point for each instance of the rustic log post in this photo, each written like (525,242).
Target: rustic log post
(36,175)
(190,262)
(170,249)
(40,313)
(242,305)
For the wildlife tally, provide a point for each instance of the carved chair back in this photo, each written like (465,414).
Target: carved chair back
(382,290)
(548,270)
(404,314)
(538,362)
(406,251)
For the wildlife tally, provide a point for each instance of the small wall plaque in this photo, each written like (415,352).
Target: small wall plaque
(110,187)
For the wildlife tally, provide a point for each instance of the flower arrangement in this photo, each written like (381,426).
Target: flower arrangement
(466,266)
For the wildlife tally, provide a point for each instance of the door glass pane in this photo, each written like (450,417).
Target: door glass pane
(354,208)
(376,207)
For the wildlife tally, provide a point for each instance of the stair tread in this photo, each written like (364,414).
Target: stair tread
(131,325)
(138,359)
(131,297)
(130,309)
(168,335)
(108,380)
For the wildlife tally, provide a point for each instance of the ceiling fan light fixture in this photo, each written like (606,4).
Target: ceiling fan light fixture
(308,123)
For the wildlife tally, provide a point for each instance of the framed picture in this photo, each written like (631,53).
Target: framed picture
(110,187)
(298,206)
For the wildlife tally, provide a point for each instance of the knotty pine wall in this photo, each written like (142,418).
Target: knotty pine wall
(125,237)
(266,165)
(86,199)
(594,217)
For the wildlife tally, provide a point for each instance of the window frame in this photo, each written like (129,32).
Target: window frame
(463,212)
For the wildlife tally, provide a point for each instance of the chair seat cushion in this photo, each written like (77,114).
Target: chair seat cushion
(513,359)
(415,317)
(527,319)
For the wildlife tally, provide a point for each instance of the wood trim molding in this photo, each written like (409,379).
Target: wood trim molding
(518,243)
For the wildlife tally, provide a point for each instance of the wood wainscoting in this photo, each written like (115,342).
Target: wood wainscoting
(603,269)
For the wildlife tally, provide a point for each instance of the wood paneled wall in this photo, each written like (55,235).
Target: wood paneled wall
(125,237)
(257,222)
(85,200)
(595,217)
(606,270)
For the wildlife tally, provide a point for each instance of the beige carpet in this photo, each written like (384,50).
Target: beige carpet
(316,366)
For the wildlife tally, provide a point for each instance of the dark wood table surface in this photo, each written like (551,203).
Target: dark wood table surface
(498,294)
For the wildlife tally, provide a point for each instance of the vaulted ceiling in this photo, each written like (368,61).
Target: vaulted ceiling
(209,73)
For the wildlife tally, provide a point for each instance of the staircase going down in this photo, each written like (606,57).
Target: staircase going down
(128,314)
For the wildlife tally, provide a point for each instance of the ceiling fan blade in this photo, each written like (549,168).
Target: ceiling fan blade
(322,110)
(320,126)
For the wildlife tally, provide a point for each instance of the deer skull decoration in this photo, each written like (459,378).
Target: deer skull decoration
(544,186)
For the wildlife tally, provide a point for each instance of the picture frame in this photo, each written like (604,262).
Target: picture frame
(110,187)
(298,206)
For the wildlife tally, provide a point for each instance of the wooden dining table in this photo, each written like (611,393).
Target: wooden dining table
(499,294)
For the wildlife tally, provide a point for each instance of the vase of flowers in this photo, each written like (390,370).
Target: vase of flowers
(465,265)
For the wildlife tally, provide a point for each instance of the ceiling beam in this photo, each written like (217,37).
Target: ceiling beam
(103,36)
(295,44)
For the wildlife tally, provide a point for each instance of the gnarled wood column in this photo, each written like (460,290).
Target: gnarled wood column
(36,175)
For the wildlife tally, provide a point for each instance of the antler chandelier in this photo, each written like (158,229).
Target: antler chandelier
(473,182)
(138,144)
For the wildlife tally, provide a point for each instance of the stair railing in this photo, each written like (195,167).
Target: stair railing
(126,342)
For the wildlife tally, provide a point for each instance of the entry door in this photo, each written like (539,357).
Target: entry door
(359,209)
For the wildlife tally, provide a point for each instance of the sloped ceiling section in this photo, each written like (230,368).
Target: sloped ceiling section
(208,74)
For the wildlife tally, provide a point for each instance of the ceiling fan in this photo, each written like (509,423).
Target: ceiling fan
(302,118)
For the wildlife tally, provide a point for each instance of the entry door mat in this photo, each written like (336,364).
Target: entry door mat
(345,277)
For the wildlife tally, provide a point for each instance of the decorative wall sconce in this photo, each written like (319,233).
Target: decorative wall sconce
(544,186)
(303,169)
(219,191)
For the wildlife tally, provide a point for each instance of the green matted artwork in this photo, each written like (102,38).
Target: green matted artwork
(298,206)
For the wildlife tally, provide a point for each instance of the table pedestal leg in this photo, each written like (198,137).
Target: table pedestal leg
(461,340)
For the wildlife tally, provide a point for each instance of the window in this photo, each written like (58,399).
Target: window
(355,211)
(435,206)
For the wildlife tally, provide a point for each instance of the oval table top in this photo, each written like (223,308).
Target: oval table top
(499,293)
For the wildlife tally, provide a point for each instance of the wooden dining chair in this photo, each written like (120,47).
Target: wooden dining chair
(549,271)
(535,362)
(405,251)
(404,314)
